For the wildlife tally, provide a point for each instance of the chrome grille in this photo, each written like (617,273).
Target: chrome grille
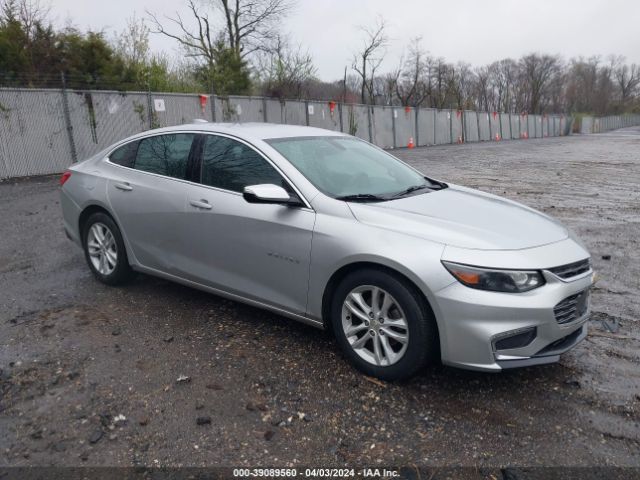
(571,269)
(572,307)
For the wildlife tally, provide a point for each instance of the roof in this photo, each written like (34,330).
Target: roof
(260,131)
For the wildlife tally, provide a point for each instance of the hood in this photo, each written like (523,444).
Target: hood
(465,218)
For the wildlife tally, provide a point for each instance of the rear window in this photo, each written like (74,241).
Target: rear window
(125,155)
(166,155)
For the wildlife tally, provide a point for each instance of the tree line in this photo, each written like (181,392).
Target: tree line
(239,47)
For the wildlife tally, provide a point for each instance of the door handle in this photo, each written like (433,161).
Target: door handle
(203,204)
(125,187)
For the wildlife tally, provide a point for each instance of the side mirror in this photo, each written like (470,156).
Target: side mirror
(268,193)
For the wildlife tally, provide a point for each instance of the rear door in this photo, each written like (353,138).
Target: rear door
(148,197)
(258,251)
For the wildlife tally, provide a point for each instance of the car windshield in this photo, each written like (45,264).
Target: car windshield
(350,169)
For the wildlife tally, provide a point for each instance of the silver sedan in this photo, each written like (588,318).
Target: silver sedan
(332,231)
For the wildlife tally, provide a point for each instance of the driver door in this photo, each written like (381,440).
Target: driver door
(258,251)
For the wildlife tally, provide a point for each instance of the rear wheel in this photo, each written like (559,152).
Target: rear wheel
(104,250)
(383,325)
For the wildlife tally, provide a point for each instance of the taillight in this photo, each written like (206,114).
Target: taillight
(65,176)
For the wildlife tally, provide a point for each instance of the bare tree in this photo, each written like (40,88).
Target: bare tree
(582,84)
(133,41)
(503,77)
(463,85)
(351,84)
(285,70)
(627,79)
(389,84)
(411,78)
(220,34)
(31,13)
(537,72)
(605,87)
(369,58)
(482,92)
(248,23)
(8,11)
(438,72)
(200,43)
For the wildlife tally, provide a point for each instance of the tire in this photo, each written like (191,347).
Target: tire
(110,264)
(408,317)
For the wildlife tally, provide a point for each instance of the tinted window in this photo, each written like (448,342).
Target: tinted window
(165,154)
(125,155)
(232,165)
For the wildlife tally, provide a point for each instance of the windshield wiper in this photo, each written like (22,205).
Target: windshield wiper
(361,197)
(411,189)
(435,185)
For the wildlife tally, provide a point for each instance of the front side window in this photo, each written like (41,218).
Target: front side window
(166,155)
(344,166)
(231,165)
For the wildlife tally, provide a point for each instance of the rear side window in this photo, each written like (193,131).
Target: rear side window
(231,165)
(125,155)
(166,155)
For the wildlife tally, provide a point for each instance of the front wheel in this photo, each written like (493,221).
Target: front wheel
(383,325)
(104,250)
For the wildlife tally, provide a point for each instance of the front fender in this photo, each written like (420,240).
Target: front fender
(339,242)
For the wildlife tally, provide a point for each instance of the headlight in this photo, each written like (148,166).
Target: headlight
(509,281)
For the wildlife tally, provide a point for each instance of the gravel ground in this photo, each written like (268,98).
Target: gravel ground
(90,374)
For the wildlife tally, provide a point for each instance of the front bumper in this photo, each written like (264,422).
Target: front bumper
(471,321)
(549,354)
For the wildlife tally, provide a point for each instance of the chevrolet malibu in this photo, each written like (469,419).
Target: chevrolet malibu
(332,231)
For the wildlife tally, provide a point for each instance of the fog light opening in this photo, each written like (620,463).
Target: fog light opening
(515,339)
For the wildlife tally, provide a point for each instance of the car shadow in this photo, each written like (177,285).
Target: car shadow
(199,305)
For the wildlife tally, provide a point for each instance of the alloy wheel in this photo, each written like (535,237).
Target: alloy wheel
(375,325)
(103,251)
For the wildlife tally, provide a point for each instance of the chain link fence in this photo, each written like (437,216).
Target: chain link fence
(45,131)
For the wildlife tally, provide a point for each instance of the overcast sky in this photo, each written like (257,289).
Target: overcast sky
(474,31)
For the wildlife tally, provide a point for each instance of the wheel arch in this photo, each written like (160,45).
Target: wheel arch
(92,208)
(345,270)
